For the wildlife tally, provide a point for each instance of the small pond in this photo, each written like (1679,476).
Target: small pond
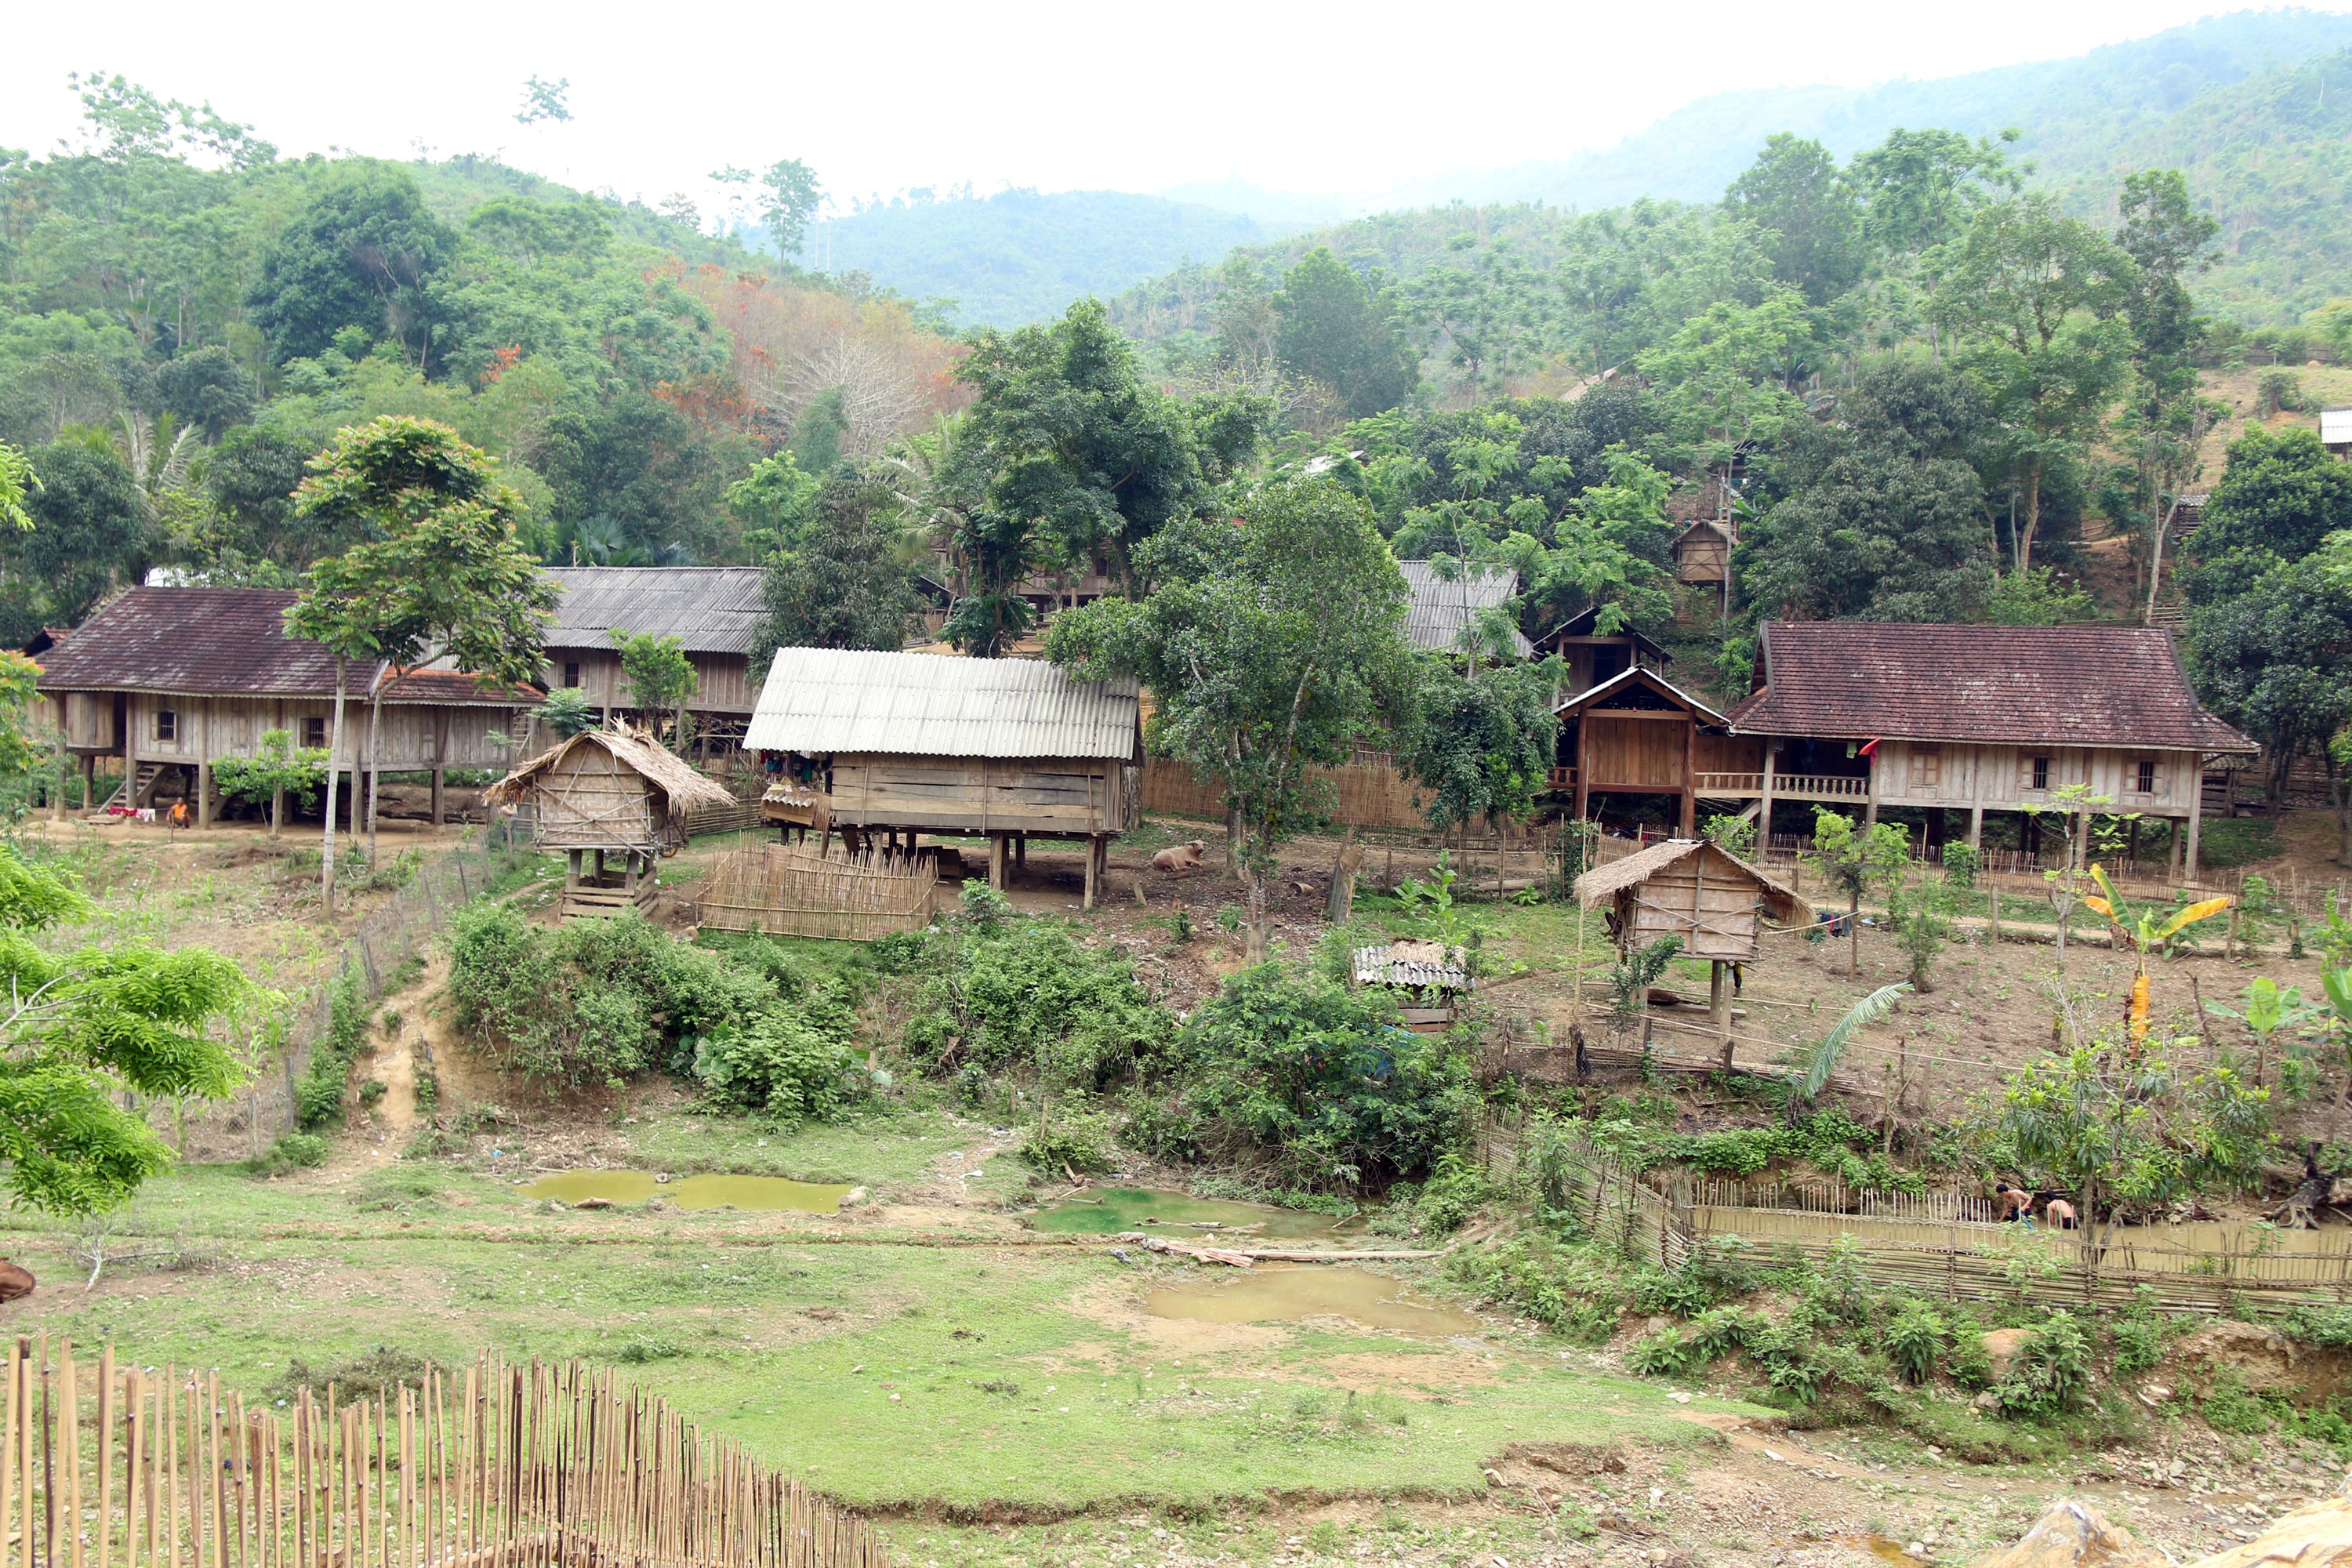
(709,1192)
(1265,1295)
(1107,1210)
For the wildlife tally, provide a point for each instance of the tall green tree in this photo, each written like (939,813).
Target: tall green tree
(89,535)
(1481,743)
(439,571)
(1278,644)
(1793,191)
(2165,416)
(363,252)
(2036,295)
(1333,330)
(842,582)
(660,677)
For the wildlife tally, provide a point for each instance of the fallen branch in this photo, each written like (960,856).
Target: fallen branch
(1188,1249)
(1308,1255)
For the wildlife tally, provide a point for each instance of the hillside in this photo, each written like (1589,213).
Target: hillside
(1019,255)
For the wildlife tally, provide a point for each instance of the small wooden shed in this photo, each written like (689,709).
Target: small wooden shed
(1698,891)
(605,790)
(1430,973)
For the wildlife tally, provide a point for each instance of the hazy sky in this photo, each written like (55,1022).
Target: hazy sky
(885,98)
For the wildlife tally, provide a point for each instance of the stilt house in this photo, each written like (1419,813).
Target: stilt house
(892,744)
(607,790)
(1976,718)
(1592,656)
(713,611)
(171,679)
(1637,733)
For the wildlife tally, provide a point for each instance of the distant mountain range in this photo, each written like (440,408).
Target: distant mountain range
(2179,97)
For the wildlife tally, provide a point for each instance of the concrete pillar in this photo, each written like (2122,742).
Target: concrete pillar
(629,872)
(1764,803)
(571,869)
(599,868)
(1976,827)
(277,810)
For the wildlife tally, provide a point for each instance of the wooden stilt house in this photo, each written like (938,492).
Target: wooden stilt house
(1695,890)
(607,790)
(887,746)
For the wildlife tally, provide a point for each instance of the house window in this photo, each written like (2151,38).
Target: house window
(2144,776)
(314,735)
(570,672)
(167,725)
(2040,770)
(1927,767)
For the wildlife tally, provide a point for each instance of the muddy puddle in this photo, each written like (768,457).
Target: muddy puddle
(691,1192)
(1105,1210)
(1266,1295)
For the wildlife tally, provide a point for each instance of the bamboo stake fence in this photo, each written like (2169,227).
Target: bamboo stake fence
(798,889)
(505,1466)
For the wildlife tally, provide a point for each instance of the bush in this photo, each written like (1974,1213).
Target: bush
(2050,1370)
(1915,1339)
(1070,1138)
(785,1063)
(292,1152)
(319,1093)
(1029,995)
(1319,1081)
(1570,1290)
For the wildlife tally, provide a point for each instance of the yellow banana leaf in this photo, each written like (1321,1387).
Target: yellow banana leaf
(2099,875)
(2204,909)
(2140,1008)
(2099,905)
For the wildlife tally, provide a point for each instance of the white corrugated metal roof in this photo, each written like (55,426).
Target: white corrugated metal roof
(2335,425)
(824,701)
(1439,609)
(709,609)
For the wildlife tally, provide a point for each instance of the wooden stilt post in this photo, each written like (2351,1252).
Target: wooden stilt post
(2196,821)
(1720,1009)
(88,782)
(571,867)
(1021,851)
(996,859)
(440,776)
(1094,857)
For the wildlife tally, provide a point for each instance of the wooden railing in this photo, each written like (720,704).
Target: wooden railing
(498,1467)
(1561,778)
(1821,786)
(1727,783)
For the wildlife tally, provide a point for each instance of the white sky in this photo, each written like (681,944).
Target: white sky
(1058,95)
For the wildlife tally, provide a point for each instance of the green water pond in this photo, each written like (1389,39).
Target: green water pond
(706,1192)
(1107,1210)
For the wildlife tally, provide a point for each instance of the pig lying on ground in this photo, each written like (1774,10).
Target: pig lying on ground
(14,1281)
(1180,860)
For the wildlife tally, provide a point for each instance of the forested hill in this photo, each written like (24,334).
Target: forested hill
(2070,112)
(1018,255)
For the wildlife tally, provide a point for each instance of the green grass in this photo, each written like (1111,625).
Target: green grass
(1025,1374)
(2225,842)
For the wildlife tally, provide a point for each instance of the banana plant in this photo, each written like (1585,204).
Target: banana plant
(1809,1083)
(2147,934)
(2268,1010)
(2336,984)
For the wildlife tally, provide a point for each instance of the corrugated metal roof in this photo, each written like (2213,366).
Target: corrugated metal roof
(824,701)
(1438,610)
(709,609)
(228,641)
(2335,425)
(2064,686)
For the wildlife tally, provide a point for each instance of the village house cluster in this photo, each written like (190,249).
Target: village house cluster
(1958,722)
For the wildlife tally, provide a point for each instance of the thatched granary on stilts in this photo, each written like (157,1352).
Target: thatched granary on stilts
(606,791)
(1698,892)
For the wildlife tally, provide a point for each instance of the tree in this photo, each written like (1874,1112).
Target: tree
(789,199)
(17,480)
(660,675)
(1793,191)
(1724,376)
(252,476)
(2280,495)
(1068,458)
(1851,859)
(840,583)
(277,769)
(2275,659)
(88,534)
(2117,1125)
(204,389)
(78,1027)
(2034,295)
(1277,648)
(772,502)
(363,252)
(566,712)
(439,571)
(1332,329)
(2165,419)
(1481,742)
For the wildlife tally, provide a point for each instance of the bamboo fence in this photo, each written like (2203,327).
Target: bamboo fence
(801,890)
(505,1466)
(1952,1245)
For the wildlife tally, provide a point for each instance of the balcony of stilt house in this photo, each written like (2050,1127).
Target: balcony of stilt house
(606,793)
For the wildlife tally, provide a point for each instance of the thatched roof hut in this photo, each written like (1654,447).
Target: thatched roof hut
(610,788)
(1694,889)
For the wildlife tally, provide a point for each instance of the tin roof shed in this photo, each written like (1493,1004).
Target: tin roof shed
(709,609)
(822,701)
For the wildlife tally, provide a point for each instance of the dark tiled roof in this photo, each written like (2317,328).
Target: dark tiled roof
(229,642)
(709,609)
(2063,685)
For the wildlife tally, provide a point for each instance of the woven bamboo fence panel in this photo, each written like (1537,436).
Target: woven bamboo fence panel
(1951,1245)
(1367,793)
(798,889)
(498,1467)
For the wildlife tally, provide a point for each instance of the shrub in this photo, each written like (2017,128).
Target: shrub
(1030,995)
(985,909)
(292,1152)
(319,1094)
(1319,1081)
(2050,1370)
(1071,1138)
(784,1063)
(1567,1289)
(1915,1339)
(2229,1406)
(1663,1354)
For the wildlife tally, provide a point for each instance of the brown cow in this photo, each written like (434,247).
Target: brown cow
(1180,860)
(14,1281)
